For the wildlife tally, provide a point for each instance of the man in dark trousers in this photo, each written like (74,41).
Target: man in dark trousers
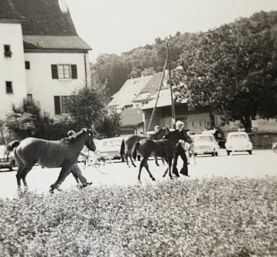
(180,150)
(75,169)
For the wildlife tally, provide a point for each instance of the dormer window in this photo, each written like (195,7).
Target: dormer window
(7,51)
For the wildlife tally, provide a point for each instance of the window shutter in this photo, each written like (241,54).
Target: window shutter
(54,69)
(74,71)
(57,103)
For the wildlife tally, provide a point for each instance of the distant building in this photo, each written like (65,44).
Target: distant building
(41,55)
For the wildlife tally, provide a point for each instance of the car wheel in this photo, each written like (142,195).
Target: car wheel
(250,151)
(228,152)
(213,154)
(216,153)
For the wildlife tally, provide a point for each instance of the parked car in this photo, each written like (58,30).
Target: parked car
(274,147)
(238,142)
(7,160)
(109,148)
(218,134)
(205,144)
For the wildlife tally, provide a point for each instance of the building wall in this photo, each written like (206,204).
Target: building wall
(198,122)
(41,84)
(11,68)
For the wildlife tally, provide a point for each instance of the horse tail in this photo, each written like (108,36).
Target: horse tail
(135,149)
(12,145)
(122,150)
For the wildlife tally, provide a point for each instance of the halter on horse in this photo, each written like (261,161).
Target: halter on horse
(51,154)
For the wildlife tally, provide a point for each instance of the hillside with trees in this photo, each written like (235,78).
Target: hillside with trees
(230,69)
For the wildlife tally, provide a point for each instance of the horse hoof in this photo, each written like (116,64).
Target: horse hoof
(153,179)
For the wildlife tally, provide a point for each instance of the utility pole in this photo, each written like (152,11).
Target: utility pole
(173,117)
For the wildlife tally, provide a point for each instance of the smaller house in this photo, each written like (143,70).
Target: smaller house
(131,122)
(123,99)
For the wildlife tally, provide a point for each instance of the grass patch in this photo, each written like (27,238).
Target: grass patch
(213,217)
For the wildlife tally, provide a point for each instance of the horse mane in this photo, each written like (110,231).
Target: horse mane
(74,136)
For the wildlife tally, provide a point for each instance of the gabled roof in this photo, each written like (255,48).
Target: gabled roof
(128,92)
(7,11)
(55,42)
(131,117)
(44,17)
(46,24)
(153,84)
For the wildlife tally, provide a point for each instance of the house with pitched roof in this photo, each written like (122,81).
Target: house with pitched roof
(41,55)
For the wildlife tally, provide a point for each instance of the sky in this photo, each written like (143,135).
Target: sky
(116,26)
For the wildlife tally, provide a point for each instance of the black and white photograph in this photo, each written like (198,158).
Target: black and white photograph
(138,128)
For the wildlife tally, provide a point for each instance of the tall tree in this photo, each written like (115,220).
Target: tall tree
(86,107)
(232,69)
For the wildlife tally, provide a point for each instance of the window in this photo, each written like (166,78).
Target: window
(27,65)
(64,71)
(9,87)
(7,51)
(61,104)
(29,97)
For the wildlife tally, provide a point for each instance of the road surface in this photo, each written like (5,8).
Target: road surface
(262,163)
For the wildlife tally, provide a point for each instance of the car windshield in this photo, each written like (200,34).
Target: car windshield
(202,139)
(239,136)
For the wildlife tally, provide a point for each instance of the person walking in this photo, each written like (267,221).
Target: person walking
(75,169)
(180,151)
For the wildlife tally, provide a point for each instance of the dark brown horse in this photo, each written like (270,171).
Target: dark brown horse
(51,154)
(165,148)
(128,144)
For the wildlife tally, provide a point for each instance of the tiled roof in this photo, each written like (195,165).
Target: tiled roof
(55,42)
(7,11)
(131,117)
(164,100)
(154,84)
(43,17)
(129,91)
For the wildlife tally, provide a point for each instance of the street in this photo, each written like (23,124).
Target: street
(262,163)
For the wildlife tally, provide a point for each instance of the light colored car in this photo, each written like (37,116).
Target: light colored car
(238,142)
(109,148)
(205,144)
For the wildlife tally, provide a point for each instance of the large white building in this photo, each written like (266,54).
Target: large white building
(41,55)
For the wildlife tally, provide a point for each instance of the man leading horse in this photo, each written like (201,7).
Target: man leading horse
(181,133)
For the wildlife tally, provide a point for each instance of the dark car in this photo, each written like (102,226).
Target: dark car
(7,160)
(218,134)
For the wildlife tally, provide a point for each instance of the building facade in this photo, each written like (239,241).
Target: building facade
(41,55)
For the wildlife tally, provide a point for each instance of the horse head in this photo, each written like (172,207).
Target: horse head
(89,143)
(160,134)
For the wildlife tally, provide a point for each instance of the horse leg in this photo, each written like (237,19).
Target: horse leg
(25,172)
(132,161)
(165,172)
(147,168)
(156,161)
(143,163)
(63,174)
(19,173)
(77,173)
(169,166)
(127,160)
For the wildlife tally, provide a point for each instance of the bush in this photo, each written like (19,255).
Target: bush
(28,121)
(212,217)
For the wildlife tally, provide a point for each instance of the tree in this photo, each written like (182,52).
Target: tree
(27,120)
(86,107)
(109,126)
(232,70)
